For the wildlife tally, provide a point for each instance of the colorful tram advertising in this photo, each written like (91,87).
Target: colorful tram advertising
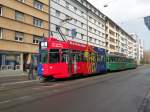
(63,59)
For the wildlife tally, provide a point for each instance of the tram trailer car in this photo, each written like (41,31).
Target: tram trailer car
(64,59)
(117,63)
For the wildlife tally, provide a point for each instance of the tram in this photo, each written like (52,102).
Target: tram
(64,59)
(117,63)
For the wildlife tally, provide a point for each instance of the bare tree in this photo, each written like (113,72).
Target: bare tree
(146,59)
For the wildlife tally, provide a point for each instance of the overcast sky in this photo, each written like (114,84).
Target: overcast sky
(128,14)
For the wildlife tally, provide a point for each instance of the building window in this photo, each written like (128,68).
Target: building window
(38,5)
(75,9)
(95,30)
(82,13)
(58,1)
(90,38)
(90,28)
(1,32)
(95,40)
(90,18)
(67,5)
(82,24)
(67,17)
(19,36)
(75,21)
(103,25)
(36,39)
(1,11)
(67,31)
(99,33)
(21,1)
(82,35)
(37,22)
(57,13)
(19,16)
(94,21)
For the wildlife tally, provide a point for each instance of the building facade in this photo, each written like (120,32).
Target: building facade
(138,48)
(118,41)
(22,25)
(82,17)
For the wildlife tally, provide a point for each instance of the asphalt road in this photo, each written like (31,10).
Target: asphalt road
(124,91)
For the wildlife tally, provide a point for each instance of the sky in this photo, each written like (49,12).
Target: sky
(128,14)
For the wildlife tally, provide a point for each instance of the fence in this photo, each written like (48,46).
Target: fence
(9,67)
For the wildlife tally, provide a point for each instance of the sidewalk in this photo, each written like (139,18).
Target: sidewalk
(15,79)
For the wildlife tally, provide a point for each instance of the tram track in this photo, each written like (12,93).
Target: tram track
(54,88)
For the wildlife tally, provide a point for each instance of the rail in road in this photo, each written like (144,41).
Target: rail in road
(11,98)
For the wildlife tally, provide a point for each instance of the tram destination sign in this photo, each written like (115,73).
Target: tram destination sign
(43,45)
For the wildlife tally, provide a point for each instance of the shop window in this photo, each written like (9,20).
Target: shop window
(19,16)
(19,36)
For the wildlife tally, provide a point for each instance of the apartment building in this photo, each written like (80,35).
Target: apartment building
(22,25)
(138,48)
(130,46)
(111,36)
(79,16)
(118,41)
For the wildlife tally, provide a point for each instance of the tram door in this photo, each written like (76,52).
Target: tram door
(70,64)
(73,63)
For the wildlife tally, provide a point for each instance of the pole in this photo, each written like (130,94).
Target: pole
(49,26)
(87,26)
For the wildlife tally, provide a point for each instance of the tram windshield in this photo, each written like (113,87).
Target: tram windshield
(43,56)
(54,56)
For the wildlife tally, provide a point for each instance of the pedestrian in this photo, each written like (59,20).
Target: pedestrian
(31,71)
(39,72)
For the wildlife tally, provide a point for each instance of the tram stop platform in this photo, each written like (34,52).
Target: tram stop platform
(12,76)
(15,79)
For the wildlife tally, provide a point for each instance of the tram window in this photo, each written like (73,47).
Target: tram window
(82,57)
(98,58)
(78,56)
(86,56)
(102,58)
(65,56)
(54,56)
(93,57)
(43,56)
(107,59)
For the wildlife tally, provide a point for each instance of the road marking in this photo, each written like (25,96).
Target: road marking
(6,101)
(20,82)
